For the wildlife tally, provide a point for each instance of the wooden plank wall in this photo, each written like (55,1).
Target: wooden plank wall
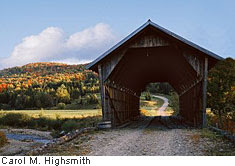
(191,105)
(193,101)
(122,104)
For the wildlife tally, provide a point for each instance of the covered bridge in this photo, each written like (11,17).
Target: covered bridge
(153,54)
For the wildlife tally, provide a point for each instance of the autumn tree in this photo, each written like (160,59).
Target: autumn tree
(75,93)
(63,94)
(221,89)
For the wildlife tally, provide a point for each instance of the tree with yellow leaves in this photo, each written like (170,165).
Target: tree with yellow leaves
(62,94)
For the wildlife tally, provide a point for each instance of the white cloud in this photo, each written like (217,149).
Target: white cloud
(91,38)
(53,45)
(72,61)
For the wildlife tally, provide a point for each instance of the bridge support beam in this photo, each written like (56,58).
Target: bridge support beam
(205,74)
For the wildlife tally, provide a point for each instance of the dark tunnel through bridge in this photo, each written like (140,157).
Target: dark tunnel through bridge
(153,54)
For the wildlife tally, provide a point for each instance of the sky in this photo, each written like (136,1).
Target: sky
(76,31)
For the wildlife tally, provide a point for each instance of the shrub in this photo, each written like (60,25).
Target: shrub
(3,139)
(32,123)
(5,106)
(55,124)
(61,106)
(69,125)
(174,102)
(55,134)
(148,96)
(88,121)
(98,106)
(15,119)
(93,99)
(45,123)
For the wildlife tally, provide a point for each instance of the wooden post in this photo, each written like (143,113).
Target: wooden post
(204,102)
(102,91)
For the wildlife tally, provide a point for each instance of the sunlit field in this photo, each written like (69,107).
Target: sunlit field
(57,113)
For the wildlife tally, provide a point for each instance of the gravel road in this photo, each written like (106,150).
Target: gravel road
(149,137)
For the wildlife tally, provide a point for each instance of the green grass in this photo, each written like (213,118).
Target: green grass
(222,146)
(205,132)
(74,106)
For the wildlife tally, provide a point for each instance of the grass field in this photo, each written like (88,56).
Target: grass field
(149,107)
(57,113)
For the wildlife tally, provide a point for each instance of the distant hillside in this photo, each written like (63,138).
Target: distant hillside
(43,68)
(44,85)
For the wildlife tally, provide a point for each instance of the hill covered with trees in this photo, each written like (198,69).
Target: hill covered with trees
(47,85)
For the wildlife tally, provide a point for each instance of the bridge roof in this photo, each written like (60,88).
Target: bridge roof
(165,31)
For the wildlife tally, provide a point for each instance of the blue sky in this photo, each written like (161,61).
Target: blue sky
(25,25)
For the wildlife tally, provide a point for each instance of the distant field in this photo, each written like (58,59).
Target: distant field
(150,108)
(57,113)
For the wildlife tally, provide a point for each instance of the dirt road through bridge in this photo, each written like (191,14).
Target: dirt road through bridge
(161,110)
(152,136)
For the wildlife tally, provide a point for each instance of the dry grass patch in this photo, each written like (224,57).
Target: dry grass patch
(55,114)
